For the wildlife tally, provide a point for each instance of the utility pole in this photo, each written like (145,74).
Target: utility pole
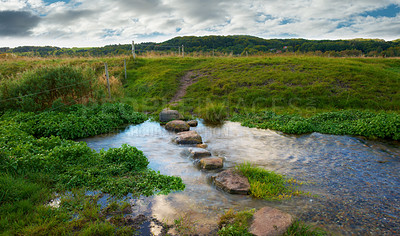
(133,50)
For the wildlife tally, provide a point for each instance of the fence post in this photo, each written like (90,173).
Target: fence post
(108,80)
(183,51)
(133,50)
(125,69)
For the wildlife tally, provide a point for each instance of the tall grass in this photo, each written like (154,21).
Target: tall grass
(213,113)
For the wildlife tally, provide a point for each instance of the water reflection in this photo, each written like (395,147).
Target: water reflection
(357,181)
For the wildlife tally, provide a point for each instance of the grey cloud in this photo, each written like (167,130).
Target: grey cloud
(205,10)
(143,6)
(68,16)
(17,23)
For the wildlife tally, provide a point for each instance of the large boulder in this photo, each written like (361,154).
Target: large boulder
(211,163)
(232,182)
(177,126)
(168,115)
(188,137)
(269,221)
(198,153)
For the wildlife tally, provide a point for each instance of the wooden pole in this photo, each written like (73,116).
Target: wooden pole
(183,51)
(108,79)
(126,76)
(133,50)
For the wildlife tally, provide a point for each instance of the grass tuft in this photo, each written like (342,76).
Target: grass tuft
(268,184)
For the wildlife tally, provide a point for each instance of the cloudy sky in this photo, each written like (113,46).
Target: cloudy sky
(80,23)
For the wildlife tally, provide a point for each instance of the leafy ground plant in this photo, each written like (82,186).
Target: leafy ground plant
(268,184)
(348,122)
(33,168)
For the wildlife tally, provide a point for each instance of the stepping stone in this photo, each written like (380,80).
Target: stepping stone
(193,123)
(198,153)
(188,137)
(177,126)
(232,182)
(203,145)
(168,115)
(211,163)
(269,221)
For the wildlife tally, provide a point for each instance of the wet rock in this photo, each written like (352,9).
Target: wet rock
(202,145)
(188,137)
(211,163)
(269,221)
(232,182)
(198,153)
(193,123)
(177,126)
(168,115)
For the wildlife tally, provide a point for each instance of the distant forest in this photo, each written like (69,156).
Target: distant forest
(228,45)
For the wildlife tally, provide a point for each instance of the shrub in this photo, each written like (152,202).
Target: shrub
(39,88)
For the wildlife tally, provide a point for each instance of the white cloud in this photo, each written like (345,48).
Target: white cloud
(100,22)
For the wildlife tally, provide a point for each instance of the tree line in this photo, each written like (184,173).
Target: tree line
(234,45)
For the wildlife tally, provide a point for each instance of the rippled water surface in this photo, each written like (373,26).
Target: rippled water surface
(355,184)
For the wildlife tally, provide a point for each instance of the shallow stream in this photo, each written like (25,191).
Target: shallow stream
(355,184)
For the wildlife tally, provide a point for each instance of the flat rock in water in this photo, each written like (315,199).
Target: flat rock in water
(269,221)
(168,115)
(193,123)
(198,153)
(188,137)
(211,163)
(202,145)
(232,182)
(177,126)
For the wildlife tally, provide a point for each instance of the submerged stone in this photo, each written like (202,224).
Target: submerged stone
(198,153)
(232,182)
(188,137)
(269,221)
(177,126)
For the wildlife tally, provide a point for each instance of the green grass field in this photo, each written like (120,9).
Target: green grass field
(289,83)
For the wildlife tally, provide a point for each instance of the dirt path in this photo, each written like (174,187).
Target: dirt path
(188,79)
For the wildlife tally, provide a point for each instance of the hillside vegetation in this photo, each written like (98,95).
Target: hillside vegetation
(225,45)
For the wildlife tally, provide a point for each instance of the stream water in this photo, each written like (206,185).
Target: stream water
(354,183)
